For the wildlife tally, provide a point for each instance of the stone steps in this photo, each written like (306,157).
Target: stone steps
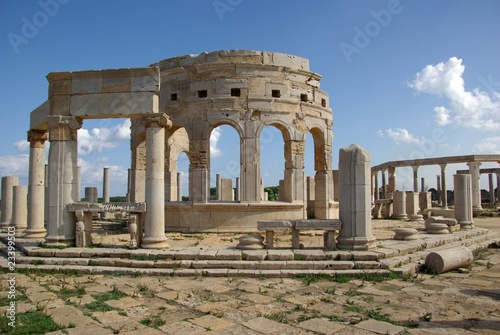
(390,255)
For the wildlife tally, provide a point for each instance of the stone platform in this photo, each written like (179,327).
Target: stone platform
(226,261)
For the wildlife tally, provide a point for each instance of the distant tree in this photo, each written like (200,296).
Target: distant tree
(272,192)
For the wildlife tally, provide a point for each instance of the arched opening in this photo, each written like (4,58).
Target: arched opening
(272,162)
(182,177)
(176,143)
(224,163)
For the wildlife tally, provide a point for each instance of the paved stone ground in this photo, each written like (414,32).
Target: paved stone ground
(450,303)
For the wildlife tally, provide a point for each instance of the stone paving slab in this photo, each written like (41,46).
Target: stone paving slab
(321,326)
(267,326)
(379,327)
(210,322)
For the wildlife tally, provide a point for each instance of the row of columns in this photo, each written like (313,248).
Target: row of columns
(474,171)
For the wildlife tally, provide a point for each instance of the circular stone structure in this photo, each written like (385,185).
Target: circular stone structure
(248,91)
(406,234)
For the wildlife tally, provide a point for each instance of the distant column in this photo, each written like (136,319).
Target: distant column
(443,188)
(384,185)
(105,190)
(377,192)
(20,209)
(91,194)
(492,189)
(463,200)
(36,185)
(422,184)
(392,179)
(8,183)
(354,199)
(475,184)
(238,187)
(415,178)
(439,194)
(129,183)
(218,187)
(179,186)
(154,230)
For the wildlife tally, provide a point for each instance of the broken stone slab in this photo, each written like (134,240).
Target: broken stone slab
(449,259)
(450,222)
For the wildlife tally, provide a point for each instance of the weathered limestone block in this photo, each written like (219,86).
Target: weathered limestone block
(91,194)
(449,222)
(355,199)
(406,234)
(449,259)
(425,201)
(250,242)
(412,206)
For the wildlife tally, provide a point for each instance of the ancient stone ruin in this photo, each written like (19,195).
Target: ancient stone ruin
(173,106)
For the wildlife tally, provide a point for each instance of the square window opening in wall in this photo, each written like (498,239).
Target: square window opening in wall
(235,92)
(276,93)
(202,94)
(323,102)
(303,97)
(173,97)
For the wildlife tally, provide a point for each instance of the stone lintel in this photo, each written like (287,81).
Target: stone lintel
(131,207)
(318,224)
(38,116)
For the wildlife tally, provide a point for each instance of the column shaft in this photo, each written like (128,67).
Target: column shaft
(36,185)
(8,183)
(475,184)
(444,191)
(154,230)
(20,209)
(415,178)
(105,190)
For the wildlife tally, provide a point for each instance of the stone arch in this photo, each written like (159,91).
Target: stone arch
(177,142)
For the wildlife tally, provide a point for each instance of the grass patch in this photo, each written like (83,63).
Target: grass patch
(379,316)
(66,293)
(144,258)
(29,323)
(353,293)
(354,308)
(309,279)
(334,318)
(154,322)
(278,317)
(99,304)
(368,298)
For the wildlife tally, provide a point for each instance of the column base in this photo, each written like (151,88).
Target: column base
(19,232)
(399,216)
(35,233)
(59,241)
(159,242)
(4,224)
(356,243)
(466,224)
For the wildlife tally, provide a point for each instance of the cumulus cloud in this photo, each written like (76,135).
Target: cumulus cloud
(22,146)
(401,135)
(98,139)
(15,166)
(489,145)
(470,109)
(214,140)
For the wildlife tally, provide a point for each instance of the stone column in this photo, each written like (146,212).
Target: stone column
(439,193)
(129,184)
(8,183)
(335,182)
(384,184)
(463,200)
(138,161)
(91,194)
(154,230)
(179,186)
(399,205)
(294,171)
(79,183)
(20,209)
(323,189)
(199,177)
(392,180)
(237,196)
(105,190)
(415,178)
(36,185)
(444,191)
(491,189)
(425,201)
(422,184)
(377,192)
(218,187)
(475,184)
(250,165)
(354,199)
(498,186)
(63,188)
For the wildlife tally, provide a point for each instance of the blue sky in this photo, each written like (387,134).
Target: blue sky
(406,78)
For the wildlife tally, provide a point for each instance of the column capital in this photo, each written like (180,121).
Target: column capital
(37,138)
(158,119)
(63,128)
(443,166)
(415,168)
(474,164)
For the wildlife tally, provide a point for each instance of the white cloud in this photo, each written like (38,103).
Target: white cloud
(15,166)
(102,138)
(214,139)
(489,145)
(470,109)
(401,135)
(22,146)
(380,133)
